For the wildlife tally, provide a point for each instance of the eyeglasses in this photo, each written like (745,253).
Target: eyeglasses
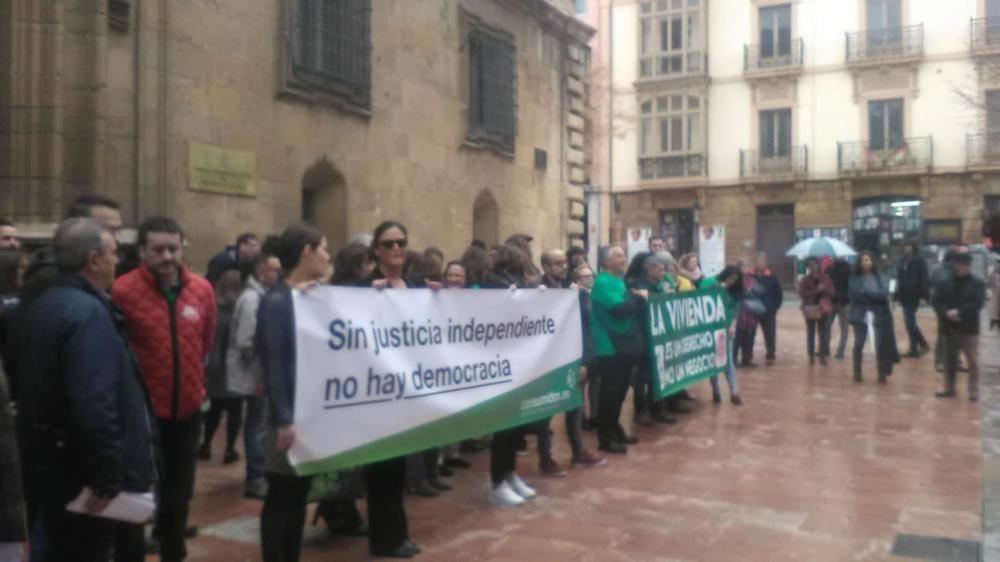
(389,244)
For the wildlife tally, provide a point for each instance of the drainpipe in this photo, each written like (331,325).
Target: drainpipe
(137,202)
(611,121)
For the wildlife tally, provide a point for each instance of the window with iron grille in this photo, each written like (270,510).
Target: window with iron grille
(119,15)
(331,49)
(670,33)
(492,88)
(671,143)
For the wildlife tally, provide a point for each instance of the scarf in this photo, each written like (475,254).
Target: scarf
(693,275)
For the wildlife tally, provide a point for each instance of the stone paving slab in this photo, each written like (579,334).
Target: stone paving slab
(812,468)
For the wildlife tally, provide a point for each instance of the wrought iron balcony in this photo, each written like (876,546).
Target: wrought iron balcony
(657,167)
(877,46)
(794,164)
(758,62)
(982,150)
(911,155)
(985,36)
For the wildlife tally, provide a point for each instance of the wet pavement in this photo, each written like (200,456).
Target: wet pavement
(812,467)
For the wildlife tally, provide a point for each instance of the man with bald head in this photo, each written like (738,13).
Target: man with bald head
(555,270)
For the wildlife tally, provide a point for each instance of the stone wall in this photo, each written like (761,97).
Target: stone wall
(212,73)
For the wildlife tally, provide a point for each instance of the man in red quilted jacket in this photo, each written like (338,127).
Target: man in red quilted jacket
(170,322)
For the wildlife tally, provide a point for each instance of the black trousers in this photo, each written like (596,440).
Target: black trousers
(387,527)
(769,327)
(746,333)
(819,328)
(503,454)
(179,444)
(130,543)
(642,389)
(233,408)
(73,537)
(283,517)
(616,373)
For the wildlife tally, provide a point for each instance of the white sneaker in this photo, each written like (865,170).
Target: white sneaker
(505,495)
(520,488)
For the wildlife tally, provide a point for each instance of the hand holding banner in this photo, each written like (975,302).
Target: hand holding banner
(386,373)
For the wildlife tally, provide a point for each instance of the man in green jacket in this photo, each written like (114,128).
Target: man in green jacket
(617,344)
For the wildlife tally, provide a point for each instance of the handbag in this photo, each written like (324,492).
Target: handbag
(812,311)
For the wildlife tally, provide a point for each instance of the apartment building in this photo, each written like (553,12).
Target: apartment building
(875,121)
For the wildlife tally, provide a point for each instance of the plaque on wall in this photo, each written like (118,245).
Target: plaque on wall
(945,231)
(226,171)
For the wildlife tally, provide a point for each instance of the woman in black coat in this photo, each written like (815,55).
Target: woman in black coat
(869,294)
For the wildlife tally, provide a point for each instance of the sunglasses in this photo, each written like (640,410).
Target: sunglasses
(389,244)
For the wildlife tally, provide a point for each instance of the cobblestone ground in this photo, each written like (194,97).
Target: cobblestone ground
(812,467)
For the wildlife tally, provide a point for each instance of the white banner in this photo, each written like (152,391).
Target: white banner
(712,249)
(386,373)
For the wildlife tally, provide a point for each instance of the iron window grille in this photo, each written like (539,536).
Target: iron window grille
(331,48)
(492,88)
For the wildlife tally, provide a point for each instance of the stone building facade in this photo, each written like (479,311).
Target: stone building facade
(461,118)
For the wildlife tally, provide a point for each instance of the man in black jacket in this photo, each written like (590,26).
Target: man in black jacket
(840,274)
(84,419)
(233,257)
(912,286)
(772,298)
(957,302)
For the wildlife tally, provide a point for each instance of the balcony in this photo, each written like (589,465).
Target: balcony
(681,166)
(982,150)
(985,36)
(911,156)
(758,64)
(884,46)
(795,164)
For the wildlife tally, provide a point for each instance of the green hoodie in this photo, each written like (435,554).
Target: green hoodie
(607,293)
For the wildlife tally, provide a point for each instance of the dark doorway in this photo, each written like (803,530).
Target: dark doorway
(324,202)
(775,235)
(677,229)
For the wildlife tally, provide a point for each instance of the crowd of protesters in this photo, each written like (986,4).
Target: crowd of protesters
(120,366)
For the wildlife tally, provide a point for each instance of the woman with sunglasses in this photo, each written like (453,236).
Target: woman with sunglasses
(388,535)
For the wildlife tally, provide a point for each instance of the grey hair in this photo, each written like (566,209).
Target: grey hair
(651,262)
(667,257)
(74,240)
(602,255)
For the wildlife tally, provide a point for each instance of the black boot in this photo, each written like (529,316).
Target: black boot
(857,367)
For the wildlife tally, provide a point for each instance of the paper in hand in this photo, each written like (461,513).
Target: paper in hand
(127,506)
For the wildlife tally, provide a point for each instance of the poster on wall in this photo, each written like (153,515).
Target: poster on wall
(638,240)
(712,249)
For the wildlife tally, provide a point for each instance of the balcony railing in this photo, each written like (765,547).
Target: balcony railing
(680,166)
(982,150)
(985,35)
(755,165)
(755,61)
(912,155)
(884,45)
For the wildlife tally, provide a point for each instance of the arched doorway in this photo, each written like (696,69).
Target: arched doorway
(486,219)
(324,202)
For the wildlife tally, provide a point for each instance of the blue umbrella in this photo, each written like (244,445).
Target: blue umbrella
(820,247)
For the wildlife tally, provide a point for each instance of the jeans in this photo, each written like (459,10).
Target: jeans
(253,437)
(913,332)
(574,430)
(769,327)
(283,517)
(734,388)
(822,326)
(968,345)
(233,408)
(387,527)
(179,443)
(616,373)
(503,454)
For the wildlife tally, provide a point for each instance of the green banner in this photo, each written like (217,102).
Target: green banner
(689,335)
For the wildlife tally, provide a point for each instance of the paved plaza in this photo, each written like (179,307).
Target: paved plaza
(812,467)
